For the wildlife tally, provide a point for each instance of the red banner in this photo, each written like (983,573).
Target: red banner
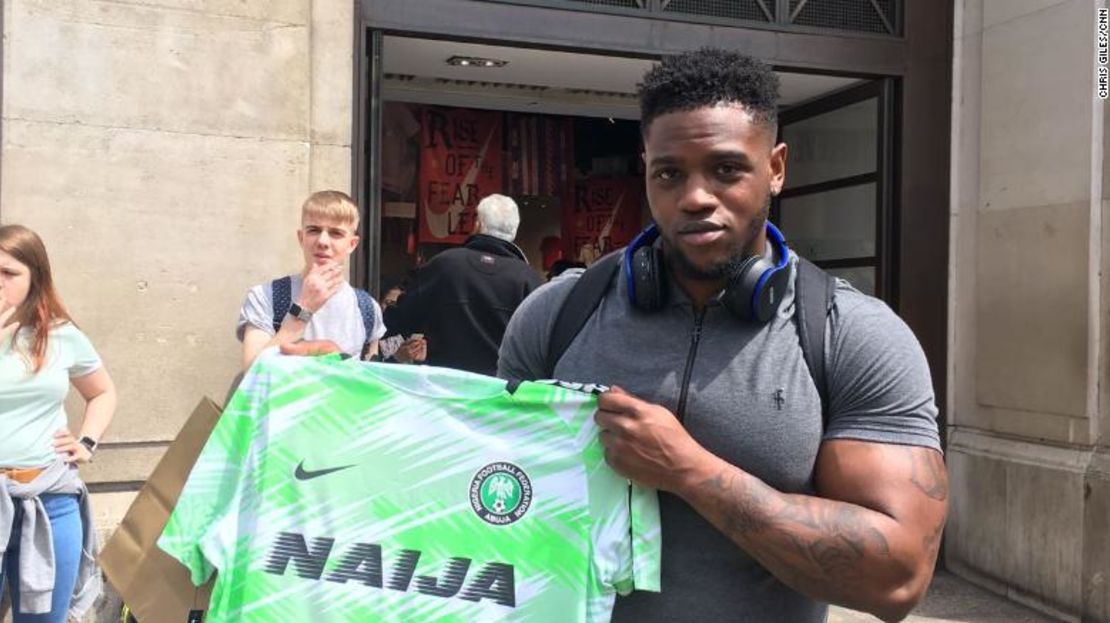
(460,163)
(605,216)
(539,154)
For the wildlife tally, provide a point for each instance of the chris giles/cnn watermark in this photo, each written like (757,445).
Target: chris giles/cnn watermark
(1102,53)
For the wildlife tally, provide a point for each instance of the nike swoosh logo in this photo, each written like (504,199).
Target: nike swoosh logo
(304,474)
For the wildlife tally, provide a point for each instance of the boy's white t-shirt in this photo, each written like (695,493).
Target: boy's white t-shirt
(339,320)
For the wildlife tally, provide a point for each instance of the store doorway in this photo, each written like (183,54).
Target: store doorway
(578,182)
(558,131)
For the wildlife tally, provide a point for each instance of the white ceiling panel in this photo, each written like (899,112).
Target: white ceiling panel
(561,76)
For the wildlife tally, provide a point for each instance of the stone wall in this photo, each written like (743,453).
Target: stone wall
(162,149)
(1028,335)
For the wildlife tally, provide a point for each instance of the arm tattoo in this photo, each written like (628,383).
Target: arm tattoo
(829,541)
(931,541)
(838,538)
(833,550)
(744,518)
(928,474)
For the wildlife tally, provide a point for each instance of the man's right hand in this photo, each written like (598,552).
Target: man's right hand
(310,348)
(321,282)
(412,350)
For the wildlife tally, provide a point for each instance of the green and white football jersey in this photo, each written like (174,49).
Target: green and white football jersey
(343,491)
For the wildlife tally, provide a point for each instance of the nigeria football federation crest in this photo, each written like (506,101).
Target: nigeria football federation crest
(500,493)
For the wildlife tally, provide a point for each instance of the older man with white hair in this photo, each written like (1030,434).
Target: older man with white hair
(463,298)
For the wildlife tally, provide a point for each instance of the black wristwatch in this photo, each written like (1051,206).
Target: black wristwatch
(300,313)
(89,443)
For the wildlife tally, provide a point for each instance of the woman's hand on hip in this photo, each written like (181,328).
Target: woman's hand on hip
(71,450)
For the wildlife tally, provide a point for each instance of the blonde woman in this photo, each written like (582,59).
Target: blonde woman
(46,533)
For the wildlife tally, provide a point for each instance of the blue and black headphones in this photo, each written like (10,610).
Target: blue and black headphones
(753,293)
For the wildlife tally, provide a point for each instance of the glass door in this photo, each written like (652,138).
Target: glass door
(836,206)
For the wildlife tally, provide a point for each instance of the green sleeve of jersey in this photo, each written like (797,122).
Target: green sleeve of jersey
(647,538)
(627,540)
(624,534)
(212,489)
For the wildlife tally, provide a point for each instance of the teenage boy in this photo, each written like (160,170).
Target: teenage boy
(318,303)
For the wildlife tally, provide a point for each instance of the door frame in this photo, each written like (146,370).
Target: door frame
(885,177)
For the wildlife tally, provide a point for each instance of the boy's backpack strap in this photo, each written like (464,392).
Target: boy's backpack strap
(579,305)
(813,298)
(366,309)
(282,297)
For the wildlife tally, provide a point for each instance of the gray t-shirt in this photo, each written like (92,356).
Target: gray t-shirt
(752,402)
(339,320)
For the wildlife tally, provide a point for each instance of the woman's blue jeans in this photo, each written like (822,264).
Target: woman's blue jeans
(65,523)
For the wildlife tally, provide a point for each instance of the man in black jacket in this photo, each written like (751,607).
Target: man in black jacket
(463,298)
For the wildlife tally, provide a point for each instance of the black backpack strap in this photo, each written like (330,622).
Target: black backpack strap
(366,308)
(283,297)
(579,305)
(813,297)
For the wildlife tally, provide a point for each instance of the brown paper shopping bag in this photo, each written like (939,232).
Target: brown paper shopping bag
(156,587)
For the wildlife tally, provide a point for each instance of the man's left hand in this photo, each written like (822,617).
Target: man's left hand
(645,442)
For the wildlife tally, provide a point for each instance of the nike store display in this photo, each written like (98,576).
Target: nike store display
(336,490)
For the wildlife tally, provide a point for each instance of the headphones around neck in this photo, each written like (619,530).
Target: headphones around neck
(753,293)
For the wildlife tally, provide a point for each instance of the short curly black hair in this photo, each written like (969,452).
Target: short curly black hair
(708,77)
